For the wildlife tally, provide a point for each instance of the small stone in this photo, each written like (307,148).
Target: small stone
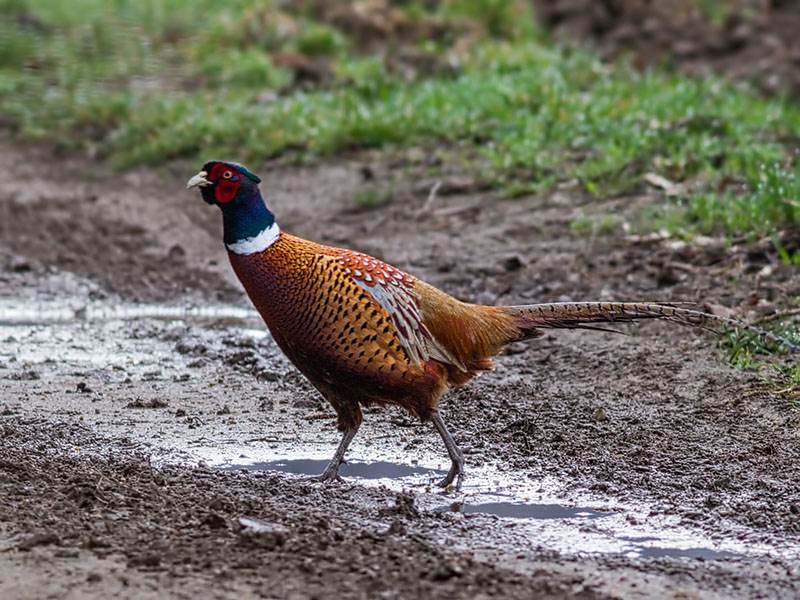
(20,266)
(38,539)
(446,572)
(396,528)
(512,263)
(215,521)
(26,375)
(267,375)
(146,559)
(263,534)
(150,403)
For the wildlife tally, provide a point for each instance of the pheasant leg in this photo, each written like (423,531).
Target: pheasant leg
(331,472)
(457,458)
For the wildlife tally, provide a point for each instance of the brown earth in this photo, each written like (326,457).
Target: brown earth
(746,39)
(654,419)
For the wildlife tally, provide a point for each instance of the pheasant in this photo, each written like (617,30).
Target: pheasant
(364,332)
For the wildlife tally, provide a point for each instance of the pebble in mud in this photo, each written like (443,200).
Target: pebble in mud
(26,375)
(38,539)
(147,403)
(262,534)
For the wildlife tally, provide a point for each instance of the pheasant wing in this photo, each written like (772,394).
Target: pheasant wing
(397,293)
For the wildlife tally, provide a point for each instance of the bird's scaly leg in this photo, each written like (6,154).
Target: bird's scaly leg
(331,472)
(457,465)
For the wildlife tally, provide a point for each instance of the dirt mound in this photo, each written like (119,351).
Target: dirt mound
(744,39)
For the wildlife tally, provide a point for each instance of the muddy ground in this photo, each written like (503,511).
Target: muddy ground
(144,452)
(754,40)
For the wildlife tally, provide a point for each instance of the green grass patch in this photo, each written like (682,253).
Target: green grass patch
(146,82)
(748,350)
(715,11)
(589,225)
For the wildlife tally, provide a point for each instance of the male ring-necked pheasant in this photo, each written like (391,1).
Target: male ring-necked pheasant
(364,332)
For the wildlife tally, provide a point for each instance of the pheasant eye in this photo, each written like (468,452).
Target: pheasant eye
(227,174)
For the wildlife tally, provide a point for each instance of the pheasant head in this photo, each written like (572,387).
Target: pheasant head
(248,224)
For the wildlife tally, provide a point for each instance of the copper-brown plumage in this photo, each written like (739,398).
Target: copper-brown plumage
(336,334)
(364,332)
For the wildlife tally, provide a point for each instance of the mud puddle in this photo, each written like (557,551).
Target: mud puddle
(536,511)
(169,354)
(380,469)
(121,337)
(13,313)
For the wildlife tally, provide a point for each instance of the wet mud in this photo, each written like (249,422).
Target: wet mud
(154,441)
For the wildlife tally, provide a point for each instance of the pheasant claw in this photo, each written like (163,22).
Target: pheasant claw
(456,456)
(326,475)
(331,472)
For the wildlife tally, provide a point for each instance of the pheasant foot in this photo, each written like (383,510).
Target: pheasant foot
(456,456)
(331,472)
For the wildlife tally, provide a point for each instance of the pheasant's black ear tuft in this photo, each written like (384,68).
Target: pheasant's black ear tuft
(245,171)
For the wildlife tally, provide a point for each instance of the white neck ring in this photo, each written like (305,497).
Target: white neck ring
(257,243)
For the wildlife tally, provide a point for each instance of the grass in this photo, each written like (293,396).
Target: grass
(715,11)
(749,351)
(147,82)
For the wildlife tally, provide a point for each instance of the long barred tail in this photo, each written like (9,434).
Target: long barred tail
(576,315)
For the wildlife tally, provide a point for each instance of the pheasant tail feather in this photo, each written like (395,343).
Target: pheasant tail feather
(576,315)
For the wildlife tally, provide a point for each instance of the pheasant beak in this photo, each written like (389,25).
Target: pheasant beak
(198,180)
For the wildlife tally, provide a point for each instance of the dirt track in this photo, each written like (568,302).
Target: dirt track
(639,446)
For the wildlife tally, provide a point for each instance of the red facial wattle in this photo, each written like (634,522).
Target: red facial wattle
(226,189)
(227,182)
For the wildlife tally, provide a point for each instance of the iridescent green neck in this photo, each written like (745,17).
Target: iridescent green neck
(246,218)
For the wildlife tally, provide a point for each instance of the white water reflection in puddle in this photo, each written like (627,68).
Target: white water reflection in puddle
(590,527)
(521,510)
(358,470)
(16,313)
(98,335)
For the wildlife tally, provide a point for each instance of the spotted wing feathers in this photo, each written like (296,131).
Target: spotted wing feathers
(396,292)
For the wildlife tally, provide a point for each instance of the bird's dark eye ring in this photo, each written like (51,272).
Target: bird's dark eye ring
(227,174)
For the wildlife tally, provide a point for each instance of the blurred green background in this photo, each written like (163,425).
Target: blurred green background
(479,83)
